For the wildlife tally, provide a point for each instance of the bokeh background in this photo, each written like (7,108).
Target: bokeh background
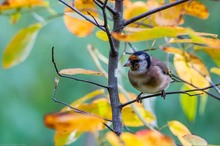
(26,89)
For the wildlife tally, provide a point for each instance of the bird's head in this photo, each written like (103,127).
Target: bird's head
(138,61)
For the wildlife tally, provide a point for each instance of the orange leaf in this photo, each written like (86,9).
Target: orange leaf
(71,121)
(73,71)
(14,4)
(141,138)
(196,9)
(189,67)
(154,138)
(77,26)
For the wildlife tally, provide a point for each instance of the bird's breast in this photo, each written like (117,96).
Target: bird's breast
(149,82)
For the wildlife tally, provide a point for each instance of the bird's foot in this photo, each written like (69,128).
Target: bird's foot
(138,99)
(163,94)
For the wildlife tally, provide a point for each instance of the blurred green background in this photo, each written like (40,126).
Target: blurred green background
(26,89)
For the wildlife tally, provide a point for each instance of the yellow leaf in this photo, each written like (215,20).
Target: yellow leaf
(85,98)
(113,139)
(14,4)
(168,17)
(149,34)
(134,9)
(214,53)
(102,35)
(189,68)
(131,119)
(189,104)
(215,70)
(64,138)
(195,140)
(130,139)
(196,9)
(73,71)
(100,107)
(20,46)
(71,121)
(179,130)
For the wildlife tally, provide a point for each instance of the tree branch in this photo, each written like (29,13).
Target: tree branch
(71,107)
(150,12)
(76,79)
(81,14)
(169,93)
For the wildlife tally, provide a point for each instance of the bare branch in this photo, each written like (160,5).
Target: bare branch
(107,6)
(76,79)
(210,94)
(71,107)
(150,12)
(81,14)
(169,93)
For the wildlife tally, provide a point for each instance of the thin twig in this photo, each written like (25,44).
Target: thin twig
(108,7)
(150,12)
(71,107)
(81,14)
(73,78)
(168,93)
(210,94)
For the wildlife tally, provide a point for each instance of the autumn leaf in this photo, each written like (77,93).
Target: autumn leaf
(82,100)
(189,68)
(215,70)
(20,46)
(141,138)
(102,35)
(74,71)
(167,17)
(71,121)
(189,104)
(14,4)
(151,33)
(179,130)
(77,26)
(196,9)
(134,9)
(195,140)
(64,138)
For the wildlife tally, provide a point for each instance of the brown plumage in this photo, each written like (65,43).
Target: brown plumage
(147,74)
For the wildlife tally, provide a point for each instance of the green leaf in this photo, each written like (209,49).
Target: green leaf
(202,104)
(20,46)
(189,105)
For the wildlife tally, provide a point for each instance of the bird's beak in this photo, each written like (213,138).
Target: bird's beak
(127,64)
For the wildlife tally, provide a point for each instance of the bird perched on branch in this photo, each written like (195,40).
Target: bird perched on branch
(148,74)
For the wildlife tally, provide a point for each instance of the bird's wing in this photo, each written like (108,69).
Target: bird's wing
(161,65)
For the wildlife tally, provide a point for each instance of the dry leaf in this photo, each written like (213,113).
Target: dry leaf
(179,130)
(73,71)
(189,68)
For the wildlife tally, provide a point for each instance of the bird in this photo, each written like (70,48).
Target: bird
(148,74)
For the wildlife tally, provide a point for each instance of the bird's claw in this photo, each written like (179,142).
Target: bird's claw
(163,94)
(138,99)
